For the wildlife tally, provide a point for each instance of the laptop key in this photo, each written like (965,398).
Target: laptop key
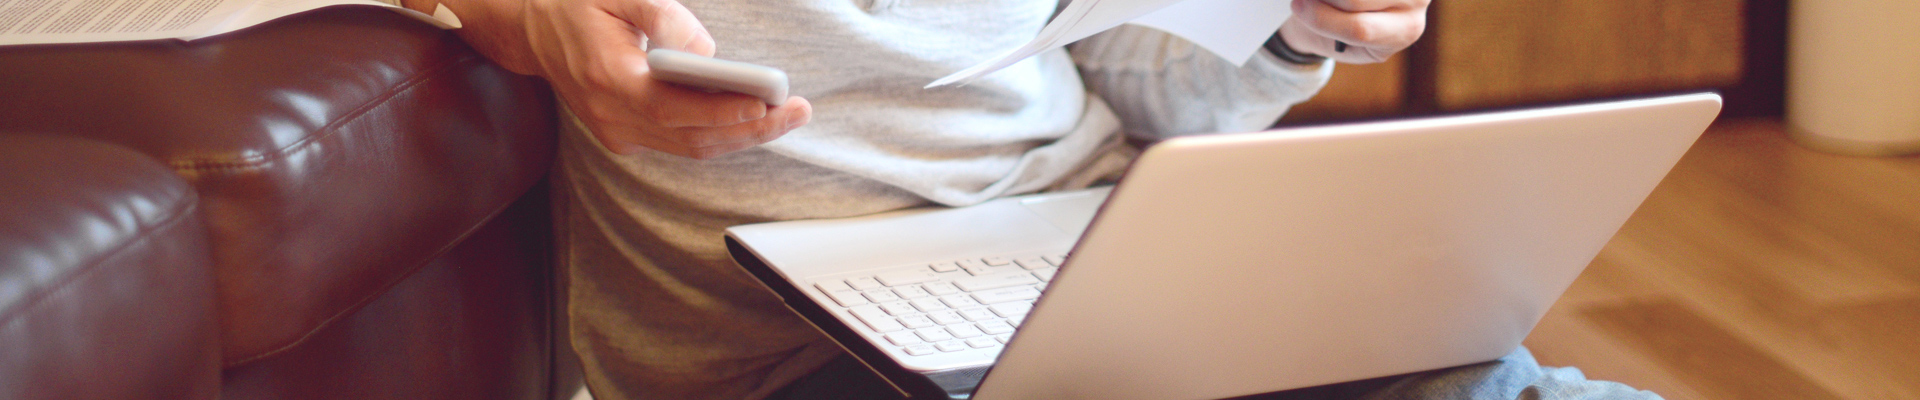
(1055,260)
(951,346)
(1006,294)
(904,339)
(995,327)
(941,288)
(977,270)
(959,301)
(876,319)
(1046,274)
(920,350)
(1010,310)
(945,266)
(911,292)
(881,295)
(978,283)
(997,261)
(864,283)
(933,334)
(982,342)
(964,331)
(928,305)
(976,314)
(916,321)
(1032,263)
(970,263)
(946,317)
(847,297)
(1003,338)
(906,277)
(897,308)
(831,286)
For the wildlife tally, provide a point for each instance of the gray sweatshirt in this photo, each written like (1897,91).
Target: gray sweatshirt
(862,63)
(656,308)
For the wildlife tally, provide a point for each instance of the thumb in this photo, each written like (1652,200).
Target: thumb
(666,24)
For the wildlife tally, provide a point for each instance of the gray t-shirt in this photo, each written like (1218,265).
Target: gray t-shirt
(656,308)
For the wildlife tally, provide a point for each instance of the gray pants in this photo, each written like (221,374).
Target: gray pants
(1515,376)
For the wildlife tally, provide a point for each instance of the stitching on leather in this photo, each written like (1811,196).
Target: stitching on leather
(189,203)
(332,128)
(328,131)
(405,87)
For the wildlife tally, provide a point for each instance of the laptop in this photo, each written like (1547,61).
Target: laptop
(1237,264)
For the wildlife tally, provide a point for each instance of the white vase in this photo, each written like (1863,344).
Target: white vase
(1853,76)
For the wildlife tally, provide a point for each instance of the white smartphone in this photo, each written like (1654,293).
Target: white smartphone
(716,75)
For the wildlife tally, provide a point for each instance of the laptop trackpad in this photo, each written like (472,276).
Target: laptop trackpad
(1070,211)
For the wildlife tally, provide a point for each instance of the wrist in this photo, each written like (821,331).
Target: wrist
(1277,45)
(494,28)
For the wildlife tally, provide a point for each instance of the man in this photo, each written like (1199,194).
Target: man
(652,173)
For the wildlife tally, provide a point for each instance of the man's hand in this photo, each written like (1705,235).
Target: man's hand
(592,52)
(1354,31)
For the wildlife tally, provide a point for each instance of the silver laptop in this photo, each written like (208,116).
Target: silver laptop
(1238,264)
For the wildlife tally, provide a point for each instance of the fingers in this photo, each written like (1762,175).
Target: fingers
(1382,28)
(592,52)
(674,106)
(666,23)
(704,142)
(1356,6)
(1378,30)
(1303,39)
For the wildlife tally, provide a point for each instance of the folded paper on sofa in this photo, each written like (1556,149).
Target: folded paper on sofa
(58,21)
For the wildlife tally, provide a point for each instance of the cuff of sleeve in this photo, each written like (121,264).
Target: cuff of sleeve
(1279,48)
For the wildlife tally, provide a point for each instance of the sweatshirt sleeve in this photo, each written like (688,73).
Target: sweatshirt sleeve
(1164,86)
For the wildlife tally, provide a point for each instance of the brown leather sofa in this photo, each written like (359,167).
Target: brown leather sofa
(344,204)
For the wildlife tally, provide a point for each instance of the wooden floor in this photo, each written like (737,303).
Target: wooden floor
(1757,270)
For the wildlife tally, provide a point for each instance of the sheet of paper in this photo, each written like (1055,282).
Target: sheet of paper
(79,21)
(84,21)
(1212,21)
(268,10)
(1231,29)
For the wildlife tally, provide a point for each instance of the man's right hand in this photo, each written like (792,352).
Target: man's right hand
(592,52)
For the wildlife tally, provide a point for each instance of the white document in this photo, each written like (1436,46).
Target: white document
(83,21)
(1231,29)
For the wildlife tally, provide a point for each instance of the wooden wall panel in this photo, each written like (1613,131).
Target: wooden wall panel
(1356,92)
(1492,53)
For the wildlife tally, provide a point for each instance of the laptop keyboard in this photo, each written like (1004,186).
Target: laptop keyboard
(941,308)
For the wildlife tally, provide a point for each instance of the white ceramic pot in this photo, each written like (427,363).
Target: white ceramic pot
(1853,76)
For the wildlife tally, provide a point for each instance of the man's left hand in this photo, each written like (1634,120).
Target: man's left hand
(1354,31)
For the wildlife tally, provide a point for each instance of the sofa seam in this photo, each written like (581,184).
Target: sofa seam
(93,265)
(332,128)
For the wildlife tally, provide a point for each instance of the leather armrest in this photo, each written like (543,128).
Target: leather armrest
(334,152)
(105,285)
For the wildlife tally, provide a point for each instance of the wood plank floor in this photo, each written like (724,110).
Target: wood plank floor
(1757,270)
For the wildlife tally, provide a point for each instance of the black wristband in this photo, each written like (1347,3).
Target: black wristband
(1280,49)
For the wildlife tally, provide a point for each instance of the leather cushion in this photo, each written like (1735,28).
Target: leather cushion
(334,151)
(105,289)
(470,325)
